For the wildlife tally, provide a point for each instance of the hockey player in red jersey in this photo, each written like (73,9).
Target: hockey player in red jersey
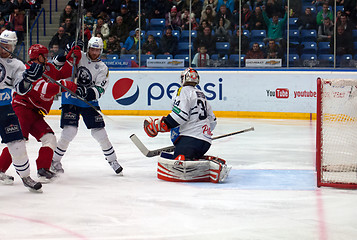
(31,107)
(191,123)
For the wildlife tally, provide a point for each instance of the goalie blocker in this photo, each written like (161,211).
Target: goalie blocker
(208,169)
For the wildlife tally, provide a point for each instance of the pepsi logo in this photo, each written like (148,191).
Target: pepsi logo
(124,92)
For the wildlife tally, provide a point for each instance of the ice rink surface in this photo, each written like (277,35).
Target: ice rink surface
(270,193)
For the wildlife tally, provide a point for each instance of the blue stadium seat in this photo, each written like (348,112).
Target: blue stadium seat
(156,33)
(308,57)
(128,56)
(146,57)
(112,56)
(324,48)
(132,32)
(185,34)
(308,35)
(313,8)
(293,23)
(261,45)
(294,48)
(157,24)
(340,8)
(183,47)
(235,59)
(344,60)
(186,57)
(294,35)
(218,56)
(293,60)
(309,47)
(176,33)
(164,56)
(257,35)
(222,47)
(328,58)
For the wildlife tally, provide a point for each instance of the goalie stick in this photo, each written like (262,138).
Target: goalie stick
(151,153)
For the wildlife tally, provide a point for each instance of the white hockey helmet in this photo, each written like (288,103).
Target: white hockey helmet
(8,37)
(190,75)
(96,42)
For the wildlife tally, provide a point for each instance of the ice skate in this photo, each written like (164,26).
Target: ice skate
(57,168)
(45,175)
(32,185)
(6,179)
(117,168)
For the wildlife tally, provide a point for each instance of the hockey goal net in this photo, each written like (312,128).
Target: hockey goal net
(336,135)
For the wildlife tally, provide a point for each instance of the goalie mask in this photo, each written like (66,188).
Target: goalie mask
(190,75)
(10,38)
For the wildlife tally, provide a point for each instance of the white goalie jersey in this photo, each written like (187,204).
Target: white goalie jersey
(193,113)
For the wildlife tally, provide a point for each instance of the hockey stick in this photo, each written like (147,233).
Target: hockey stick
(58,83)
(78,27)
(152,153)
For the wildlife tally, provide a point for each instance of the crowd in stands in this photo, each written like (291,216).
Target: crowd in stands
(165,25)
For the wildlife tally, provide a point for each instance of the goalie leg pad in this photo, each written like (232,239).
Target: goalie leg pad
(218,169)
(182,171)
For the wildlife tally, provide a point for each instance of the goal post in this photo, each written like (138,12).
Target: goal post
(336,133)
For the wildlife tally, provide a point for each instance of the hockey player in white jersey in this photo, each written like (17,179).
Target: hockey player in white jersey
(191,123)
(14,76)
(92,80)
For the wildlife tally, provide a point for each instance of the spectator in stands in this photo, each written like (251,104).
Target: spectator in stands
(295,8)
(105,18)
(131,5)
(95,6)
(346,23)
(99,35)
(17,19)
(68,12)
(234,43)
(5,24)
(201,57)
(22,5)
(158,8)
(223,12)
(69,28)
(128,18)
(194,24)
(120,29)
(168,43)
(150,47)
(207,40)
(245,17)
(275,27)
(6,8)
(54,51)
(325,12)
(228,3)
(196,7)
(257,21)
(173,19)
(60,38)
(113,45)
(185,16)
(87,34)
(273,50)
(89,20)
(211,3)
(325,31)
(353,16)
(319,2)
(254,53)
(142,23)
(344,42)
(74,4)
(307,20)
(221,30)
(202,26)
(274,7)
(131,45)
(115,8)
(101,27)
(208,15)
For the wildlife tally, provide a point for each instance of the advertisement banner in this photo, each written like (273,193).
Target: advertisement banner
(254,91)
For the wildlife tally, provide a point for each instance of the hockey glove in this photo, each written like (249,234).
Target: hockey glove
(76,51)
(69,84)
(34,73)
(81,91)
(153,126)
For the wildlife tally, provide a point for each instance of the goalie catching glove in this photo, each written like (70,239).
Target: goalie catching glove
(153,126)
